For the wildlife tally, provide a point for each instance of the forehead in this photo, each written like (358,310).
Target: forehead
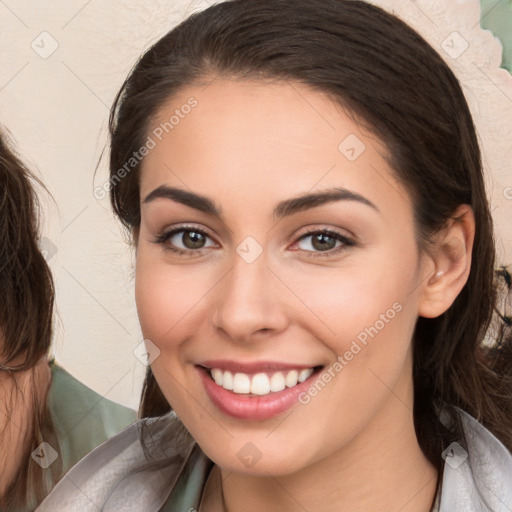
(262,138)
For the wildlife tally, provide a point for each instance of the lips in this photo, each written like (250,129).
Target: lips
(255,391)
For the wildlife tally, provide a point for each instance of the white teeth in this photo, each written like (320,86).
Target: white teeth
(277,382)
(291,379)
(305,374)
(260,383)
(217,376)
(241,383)
(227,380)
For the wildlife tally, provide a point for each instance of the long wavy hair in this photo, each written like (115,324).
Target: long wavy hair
(26,314)
(382,71)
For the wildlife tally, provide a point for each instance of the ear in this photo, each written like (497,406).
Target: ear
(450,254)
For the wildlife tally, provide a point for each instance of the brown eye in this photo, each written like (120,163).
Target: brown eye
(323,242)
(184,240)
(193,240)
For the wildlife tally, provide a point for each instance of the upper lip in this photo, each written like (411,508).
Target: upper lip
(254,366)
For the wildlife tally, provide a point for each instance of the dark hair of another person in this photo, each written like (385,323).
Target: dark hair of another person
(26,313)
(394,83)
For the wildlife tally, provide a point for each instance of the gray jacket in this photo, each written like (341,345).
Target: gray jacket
(168,471)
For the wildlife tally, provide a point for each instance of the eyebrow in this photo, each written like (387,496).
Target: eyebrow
(283,209)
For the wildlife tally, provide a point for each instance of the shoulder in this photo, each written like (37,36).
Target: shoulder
(66,389)
(477,471)
(134,470)
(83,418)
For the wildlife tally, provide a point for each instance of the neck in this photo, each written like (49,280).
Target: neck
(383,468)
(16,415)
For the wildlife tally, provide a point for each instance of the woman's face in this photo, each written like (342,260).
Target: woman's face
(275,242)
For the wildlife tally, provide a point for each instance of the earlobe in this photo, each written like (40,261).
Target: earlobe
(451,258)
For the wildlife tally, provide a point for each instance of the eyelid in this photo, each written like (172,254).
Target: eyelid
(185,227)
(315,228)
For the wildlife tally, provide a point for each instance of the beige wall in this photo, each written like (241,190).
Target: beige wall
(56,107)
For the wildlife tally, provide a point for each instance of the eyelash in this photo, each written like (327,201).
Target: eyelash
(347,243)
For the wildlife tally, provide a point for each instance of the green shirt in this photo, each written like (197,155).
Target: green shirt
(83,419)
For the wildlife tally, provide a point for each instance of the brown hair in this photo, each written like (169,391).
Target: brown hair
(388,76)
(26,313)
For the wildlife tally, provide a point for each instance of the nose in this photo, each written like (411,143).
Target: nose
(249,303)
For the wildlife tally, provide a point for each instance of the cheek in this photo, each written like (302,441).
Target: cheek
(365,314)
(159,304)
(164,300)
(358,299)
(168,297)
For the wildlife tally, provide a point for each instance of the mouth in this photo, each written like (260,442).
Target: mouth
(258,391)
(260,384)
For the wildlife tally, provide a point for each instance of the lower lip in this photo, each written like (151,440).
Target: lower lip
(245,407)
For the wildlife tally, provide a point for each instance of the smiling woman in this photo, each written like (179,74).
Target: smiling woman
(316,227)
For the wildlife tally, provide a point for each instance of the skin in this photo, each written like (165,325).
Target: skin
(15,414)
(247,146)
